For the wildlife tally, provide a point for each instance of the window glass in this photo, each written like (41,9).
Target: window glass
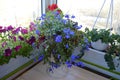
(86,12)
(19,12)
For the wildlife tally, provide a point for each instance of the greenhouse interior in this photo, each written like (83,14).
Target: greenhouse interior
(59,40)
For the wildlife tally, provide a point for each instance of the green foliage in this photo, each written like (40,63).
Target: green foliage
(101,34)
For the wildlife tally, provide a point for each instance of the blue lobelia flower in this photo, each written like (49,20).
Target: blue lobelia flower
(58,38)
(33,45)
(78,27)
(67,16)
(58,56)
(37,32)
(43,16)
(73,57)
(66,30)
(64,21)
(67,46)
(72,33)
(72,16)
(69,64)
(80,64)
(41,57)
(67,36)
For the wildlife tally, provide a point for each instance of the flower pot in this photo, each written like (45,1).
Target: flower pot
(58,73)
(99,45)
(14,64)
(94,59)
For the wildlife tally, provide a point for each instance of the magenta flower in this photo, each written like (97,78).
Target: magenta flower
(32,26)
(16,30)
(1,27)
(10,28)
(2,30)
(21,38)
(24,31)
(17,48)
(14,38)
(31,40)
(7,52)
(4,44)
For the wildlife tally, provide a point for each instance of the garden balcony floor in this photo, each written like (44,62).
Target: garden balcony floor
(38,72)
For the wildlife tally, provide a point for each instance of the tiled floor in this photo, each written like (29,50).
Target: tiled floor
(75,73)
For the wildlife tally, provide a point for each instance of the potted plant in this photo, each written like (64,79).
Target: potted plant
(16,47)
(113,52)
(61,36)
(99,38)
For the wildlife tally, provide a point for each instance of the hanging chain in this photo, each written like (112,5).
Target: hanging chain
(110,14)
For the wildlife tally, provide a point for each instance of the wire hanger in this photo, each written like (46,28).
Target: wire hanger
(109,17)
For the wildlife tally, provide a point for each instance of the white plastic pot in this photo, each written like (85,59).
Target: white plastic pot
(99,45)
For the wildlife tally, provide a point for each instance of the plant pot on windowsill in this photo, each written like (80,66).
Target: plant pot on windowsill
(99,45)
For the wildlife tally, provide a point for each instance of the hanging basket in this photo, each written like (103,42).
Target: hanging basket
(99,45)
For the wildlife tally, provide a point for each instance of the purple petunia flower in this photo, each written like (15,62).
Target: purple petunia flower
(24,31)
(16,30)
(2,30)
(17,48)
(21,38)
(31,40)
(7,52)
(58,38)
(14,38)
(32,26)
(1,27)
(4,44)
(10,28)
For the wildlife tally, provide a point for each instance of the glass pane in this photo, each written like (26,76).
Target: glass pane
(19,12)
(86,12)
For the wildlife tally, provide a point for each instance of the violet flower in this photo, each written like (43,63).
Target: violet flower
(17,48)
(24,31)
(7,52)
(9,28)
(21,38)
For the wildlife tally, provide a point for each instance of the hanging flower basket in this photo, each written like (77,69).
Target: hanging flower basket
(99,45)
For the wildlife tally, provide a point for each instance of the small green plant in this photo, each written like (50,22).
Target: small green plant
(113,51)
(99,34)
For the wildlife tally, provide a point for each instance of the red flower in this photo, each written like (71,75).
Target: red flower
(52,7)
